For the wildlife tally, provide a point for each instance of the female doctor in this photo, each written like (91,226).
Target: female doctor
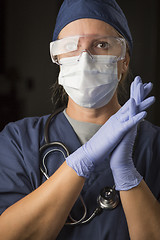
(109,145)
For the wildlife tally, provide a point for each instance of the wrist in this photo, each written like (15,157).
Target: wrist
(80,162)
(126,178)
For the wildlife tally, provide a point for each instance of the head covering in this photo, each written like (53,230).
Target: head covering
(105,10)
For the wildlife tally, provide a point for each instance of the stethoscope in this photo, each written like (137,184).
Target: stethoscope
(108,197)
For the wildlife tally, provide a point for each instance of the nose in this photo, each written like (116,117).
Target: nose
(83,51)
(84,43)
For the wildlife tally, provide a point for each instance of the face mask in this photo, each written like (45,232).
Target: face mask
(90,81)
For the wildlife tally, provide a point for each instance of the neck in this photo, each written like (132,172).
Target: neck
(98,116)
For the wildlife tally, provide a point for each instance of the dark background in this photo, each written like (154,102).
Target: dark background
(26,71)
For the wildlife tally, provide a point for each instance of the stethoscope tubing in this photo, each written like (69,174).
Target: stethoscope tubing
(102,203)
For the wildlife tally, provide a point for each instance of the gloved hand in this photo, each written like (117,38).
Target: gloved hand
(124,172)
(84,159)
(139,91)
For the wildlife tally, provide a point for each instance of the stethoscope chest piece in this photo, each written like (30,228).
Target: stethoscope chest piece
(108,198)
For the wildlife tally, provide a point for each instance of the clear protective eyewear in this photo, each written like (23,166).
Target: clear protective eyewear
(94,44)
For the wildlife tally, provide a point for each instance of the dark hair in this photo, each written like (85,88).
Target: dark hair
(123,90)
(59,97)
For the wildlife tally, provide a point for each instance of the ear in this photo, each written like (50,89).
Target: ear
(125,63)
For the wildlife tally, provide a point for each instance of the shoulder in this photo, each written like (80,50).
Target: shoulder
(20,140)
(24,128)
(19,147)
(26,123)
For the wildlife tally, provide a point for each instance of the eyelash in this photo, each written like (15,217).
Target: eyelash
(102,43)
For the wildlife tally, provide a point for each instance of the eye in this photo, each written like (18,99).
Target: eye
(103,45)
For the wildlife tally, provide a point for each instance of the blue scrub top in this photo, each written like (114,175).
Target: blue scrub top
(20,174)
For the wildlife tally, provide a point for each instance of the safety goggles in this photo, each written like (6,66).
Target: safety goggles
(95,44)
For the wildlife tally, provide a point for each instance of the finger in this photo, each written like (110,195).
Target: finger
(133,88)
(146,104)
(124,117)
(138,79)
(132,108)
(135,119)
(124,108)
(139,93)
(144,84)
(129,111)
(147,89)
(142,91)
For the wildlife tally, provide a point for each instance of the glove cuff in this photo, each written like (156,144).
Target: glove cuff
(126,179)
(79,162)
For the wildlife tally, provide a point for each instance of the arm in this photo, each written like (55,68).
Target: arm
(141,208)
(42,214)
(142,212)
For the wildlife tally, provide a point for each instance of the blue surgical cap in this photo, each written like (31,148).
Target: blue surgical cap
(105,10)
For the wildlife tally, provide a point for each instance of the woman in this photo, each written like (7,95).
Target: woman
(99,134)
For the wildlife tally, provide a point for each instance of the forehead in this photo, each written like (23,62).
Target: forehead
(88,26)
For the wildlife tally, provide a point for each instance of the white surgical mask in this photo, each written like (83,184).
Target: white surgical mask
(90,81)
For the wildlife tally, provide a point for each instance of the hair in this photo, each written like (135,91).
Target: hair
(123,89)
(59,97)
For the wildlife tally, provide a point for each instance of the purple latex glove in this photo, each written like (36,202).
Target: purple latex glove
(84,159)
(139,92)
(124,172)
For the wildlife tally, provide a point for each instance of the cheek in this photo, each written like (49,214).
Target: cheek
(120,68)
